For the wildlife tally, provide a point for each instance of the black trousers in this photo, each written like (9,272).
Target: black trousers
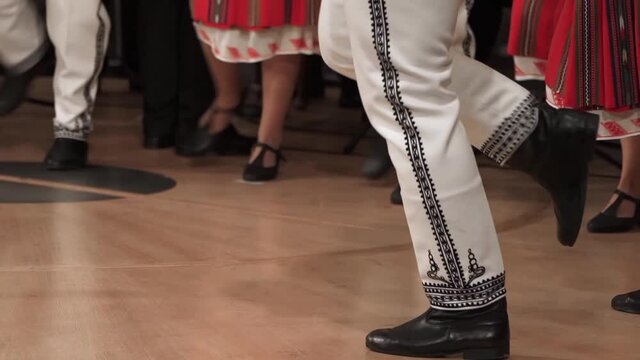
(175,79)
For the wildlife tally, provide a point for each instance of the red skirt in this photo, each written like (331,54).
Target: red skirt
(533,24)
(594,58)
(587,52)
(256,14)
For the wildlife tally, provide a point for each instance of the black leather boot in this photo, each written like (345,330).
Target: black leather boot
(67,154)
(556,155)
(629,303)
(481,334)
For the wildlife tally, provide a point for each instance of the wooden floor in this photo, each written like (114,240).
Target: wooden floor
(301,268)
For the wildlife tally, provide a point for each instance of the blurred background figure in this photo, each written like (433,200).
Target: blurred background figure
(243,31)
(177,88)
(79,33)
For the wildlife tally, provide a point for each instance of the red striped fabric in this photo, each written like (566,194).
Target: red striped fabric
(256,14)
(593,58)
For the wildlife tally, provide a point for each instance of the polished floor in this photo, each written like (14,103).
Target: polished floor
(301,268)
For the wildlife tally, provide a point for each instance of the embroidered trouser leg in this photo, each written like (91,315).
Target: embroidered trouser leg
(497,113)
(22,35)
(79,31)
(399,52)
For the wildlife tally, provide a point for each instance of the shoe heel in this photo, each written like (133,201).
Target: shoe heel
(497,353)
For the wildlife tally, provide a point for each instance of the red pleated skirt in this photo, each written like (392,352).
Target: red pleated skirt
(593,62)
(590,47)
(256,14)
(533,24)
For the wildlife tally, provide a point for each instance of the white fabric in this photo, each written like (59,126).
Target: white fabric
(21,34)
(250,46)
(79,31)
(413,86)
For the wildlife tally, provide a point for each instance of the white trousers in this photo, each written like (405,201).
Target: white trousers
(415,85)
(79,31)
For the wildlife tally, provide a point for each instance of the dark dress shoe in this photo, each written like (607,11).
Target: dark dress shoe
(481,334)
(396,196)
(256,171)
(629,303)
(153,142)
(67,154)
(556,155)
(608,220)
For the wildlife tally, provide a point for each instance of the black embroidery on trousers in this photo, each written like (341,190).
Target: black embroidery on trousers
(467,43)
(452,291)
(514,130)
(82,124)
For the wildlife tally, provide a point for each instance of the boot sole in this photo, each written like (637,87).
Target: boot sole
(57,166)
(498,353)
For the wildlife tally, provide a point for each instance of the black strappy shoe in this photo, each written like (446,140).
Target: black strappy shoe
(256,172)
(608,220)
(226,142)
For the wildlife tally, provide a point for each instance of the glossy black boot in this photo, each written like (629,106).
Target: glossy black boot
(629,303)
(67,154)
(556,155)
(481,334)
(608,220)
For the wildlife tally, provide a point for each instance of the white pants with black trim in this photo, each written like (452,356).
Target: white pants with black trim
(416,85)
(79,31)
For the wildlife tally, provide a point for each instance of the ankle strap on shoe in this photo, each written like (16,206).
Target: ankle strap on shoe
(623,195)
(270,148)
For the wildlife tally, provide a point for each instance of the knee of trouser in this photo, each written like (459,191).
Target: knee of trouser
(335,56)
(339,64)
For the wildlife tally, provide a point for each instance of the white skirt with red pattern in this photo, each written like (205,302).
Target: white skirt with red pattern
(250,46)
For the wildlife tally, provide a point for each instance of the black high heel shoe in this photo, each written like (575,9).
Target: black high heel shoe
(608,220)
(226,142)
(256,171)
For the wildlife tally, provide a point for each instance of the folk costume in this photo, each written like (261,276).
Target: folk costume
(255,30)
(415,88)
(588,55)
(79,31)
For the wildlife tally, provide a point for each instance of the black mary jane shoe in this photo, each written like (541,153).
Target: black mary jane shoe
(629,303)
(256,171)
(481,334)
(226,142)
(67,154)
(556,155)
(608,220)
